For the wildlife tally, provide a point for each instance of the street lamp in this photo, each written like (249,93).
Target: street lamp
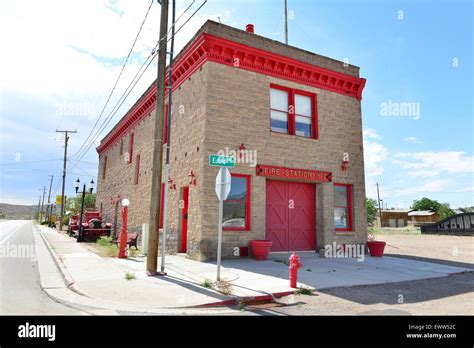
(123,231)
(91,189)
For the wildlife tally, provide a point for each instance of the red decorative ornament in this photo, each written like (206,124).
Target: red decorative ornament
(171,185)
(192,178)
(344,166)
(241,150)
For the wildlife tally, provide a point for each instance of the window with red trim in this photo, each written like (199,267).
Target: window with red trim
(104,168)
(343,207)
(236,212)
(162,203)
(293,112)
(137,169)
(130,152)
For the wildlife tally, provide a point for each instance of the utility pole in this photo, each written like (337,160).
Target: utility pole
(66,139)
(168,142)
(286,22)
(152,255)
(39,205)
(380,209)
(49,197)
(42,205)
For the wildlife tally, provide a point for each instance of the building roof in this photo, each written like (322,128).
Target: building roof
(396,210)
(421,213)
(223,44)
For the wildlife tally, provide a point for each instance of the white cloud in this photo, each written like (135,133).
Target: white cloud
(431,164)
(413,140)
(430,186)
(370,133)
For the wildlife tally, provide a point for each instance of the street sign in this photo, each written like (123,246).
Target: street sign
(58,200)
(221,161)
(223,183)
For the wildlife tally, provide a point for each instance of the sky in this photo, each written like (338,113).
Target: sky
(61,59)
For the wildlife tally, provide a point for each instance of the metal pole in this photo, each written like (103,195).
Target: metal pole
(219,231)
(79,234)
(380,209)
(39,205)
(66,139)
(286,22)
(157,164)
(168,137)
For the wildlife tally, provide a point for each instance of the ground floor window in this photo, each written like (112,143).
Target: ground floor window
(236,215)
(343,207)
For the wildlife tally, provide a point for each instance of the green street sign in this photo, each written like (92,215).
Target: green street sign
(221,161)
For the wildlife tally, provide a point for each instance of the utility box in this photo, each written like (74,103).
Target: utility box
(144,243)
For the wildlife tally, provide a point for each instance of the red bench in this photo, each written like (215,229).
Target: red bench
(132,239)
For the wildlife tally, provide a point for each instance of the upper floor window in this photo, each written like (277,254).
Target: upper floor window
(293,112)
(130,150)
(104,168)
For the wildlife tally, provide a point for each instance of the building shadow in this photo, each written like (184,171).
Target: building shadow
(413,291)
(432,260)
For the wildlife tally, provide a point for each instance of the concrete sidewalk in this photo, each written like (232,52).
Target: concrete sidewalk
(103,279)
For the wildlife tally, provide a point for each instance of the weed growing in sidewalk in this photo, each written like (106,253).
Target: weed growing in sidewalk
(241,303)
(302,290)
(106,247)
(104,241)
(130,276)
(207,284)
(224,287)
(132,252)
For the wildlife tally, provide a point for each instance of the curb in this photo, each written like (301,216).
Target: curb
(233,301)
(68,280)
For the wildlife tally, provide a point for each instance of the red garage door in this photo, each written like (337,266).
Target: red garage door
(291,216)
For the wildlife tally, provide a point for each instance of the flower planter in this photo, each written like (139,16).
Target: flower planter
(260,249)
(376,248)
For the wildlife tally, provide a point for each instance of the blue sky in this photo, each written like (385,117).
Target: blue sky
(64,56)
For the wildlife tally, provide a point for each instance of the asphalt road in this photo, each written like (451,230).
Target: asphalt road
(20,291)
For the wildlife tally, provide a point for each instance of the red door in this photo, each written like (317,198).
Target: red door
(290,216)
(184,220)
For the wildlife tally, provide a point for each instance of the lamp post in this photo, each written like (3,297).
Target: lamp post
(123,231)
(91,189)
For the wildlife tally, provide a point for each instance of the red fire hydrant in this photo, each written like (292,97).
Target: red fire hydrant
(123,232)
(295,265)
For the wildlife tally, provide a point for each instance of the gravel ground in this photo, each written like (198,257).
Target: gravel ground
(452,295)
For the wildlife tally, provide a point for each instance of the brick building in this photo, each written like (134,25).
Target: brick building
(394,217)
(292,116)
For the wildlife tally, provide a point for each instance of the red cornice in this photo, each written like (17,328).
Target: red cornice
(216,49)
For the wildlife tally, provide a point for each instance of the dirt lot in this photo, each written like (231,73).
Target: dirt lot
(452,295)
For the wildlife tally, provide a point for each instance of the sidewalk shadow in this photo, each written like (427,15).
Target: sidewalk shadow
(193,287)
(413,291)
(432,260)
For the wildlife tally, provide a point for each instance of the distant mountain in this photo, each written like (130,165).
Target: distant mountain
(17,212)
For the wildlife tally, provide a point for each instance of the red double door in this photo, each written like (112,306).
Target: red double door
(290,215)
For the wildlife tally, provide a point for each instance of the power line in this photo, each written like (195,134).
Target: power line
(130,87)
(118,78)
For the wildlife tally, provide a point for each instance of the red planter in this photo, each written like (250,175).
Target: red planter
(260,249)
(376,248)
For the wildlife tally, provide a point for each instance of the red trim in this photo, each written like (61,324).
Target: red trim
(130,151)
(298,174)
(208,47)
(104,169)
(292,110)
(248,205)
(184,220)
(137,170)
(349,207)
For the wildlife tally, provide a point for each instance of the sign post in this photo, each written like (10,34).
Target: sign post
(223,185)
